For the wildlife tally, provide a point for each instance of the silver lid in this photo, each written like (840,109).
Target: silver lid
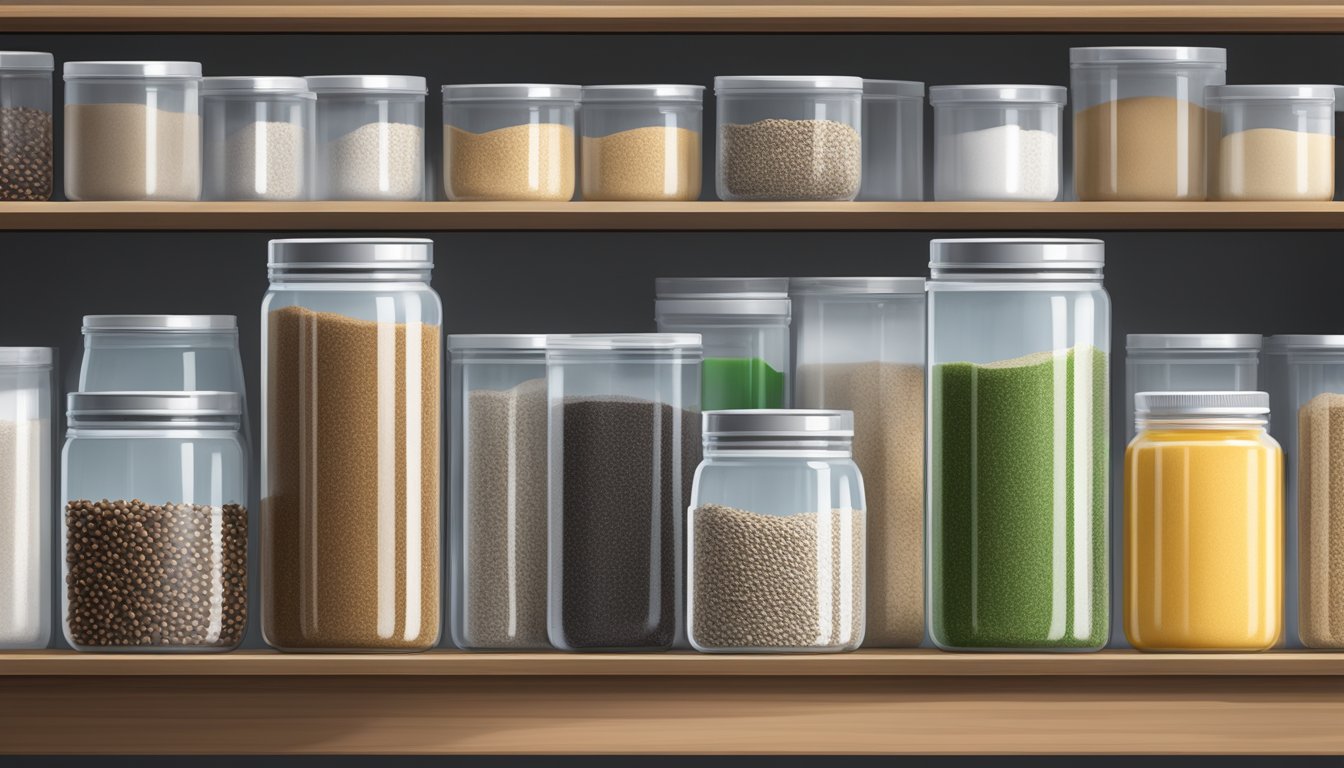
(1165,405)
(411,84)
(643,93)
(1016,254)
(866,286)
(23,357)
(1303,341)
(747,83)
(721,287)
(29,60)
(597,342)
(1147,54)
(1020,94)
(512,92)
(519,341)
(778,424)
(294,86)
(154,404)
(1324,93)
(381,254)
(186,323)
(893,89)
(1214,342)
(118,69)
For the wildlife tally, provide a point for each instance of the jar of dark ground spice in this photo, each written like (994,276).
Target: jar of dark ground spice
(1019,359)
(351,446)
(154,528)
(624,436)
(25,125)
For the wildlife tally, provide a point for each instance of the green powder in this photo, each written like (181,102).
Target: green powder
(740,382)
(1018,527)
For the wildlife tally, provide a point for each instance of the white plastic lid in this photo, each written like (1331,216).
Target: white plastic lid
(366,83)
(1212,342)
(382,254)
(597,342)
(997,255)
(893,89)
(512,92)
(1163,405)
(748,83)
(187,323)
(1271,92)
(23,357)
(1305,341)
(778,423)
(656,92)
(285,85)
(111,69)
(721,287)
(1147,54)
(1018,94)
(518,341)
(29,60)
(876,286)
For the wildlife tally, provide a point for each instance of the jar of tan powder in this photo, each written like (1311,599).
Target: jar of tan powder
(1271,142)
(512,141)
(641,142)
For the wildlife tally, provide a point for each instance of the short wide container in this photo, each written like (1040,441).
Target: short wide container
(25,125)
(259,140)
(370,136)
(512,141)
(893,140)
(642,142)
(1271,142)
(997,142)
(26,426)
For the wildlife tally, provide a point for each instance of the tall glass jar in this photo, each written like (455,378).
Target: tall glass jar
(1019,362)
(26,424)
(350,446)
(624,437)
(776,535)
(25,125)
(861,348)
(498,524)
(155,523)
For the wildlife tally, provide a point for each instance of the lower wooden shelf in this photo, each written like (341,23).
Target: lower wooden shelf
(445,702)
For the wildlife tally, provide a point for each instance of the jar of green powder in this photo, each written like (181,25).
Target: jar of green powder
(1019,358)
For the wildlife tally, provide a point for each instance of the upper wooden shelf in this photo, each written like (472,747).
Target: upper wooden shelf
(1190,16)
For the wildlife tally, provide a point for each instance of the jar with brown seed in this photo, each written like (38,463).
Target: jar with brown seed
(25,125)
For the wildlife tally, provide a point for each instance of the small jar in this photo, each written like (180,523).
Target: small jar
(893,140)
(26,424)
(512,141)
(1203,543)
(350,448)
(997,142)
(624,435)
(789,137)
(132,130)
(258,138)
(1271,142)
(642,142)
(370,136)
(25,125)
(155,522)
(744,328)
(1139,121)
(776,535)
(498,523)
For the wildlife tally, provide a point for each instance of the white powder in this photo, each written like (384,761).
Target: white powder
(377,161)
(23,539)
(263,161)
(1006,162)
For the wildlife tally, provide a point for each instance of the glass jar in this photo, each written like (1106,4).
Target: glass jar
(132,130)
(1019,363)
(1203,534)
(350,446)
(624,436)
(776,535)
(743,324)
(258,138)
(997,142)
(155,522)
(1271,142)
(370,136)
(509,141)
(893,140)
(1139,120)
(26,386)
(25,125)
(642,142)
(861,348)
(789,137)
(498,524)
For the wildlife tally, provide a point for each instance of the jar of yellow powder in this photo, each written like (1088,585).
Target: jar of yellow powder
(1203,537)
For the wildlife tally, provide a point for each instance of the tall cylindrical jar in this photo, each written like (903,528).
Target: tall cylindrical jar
(776,535)
(132,130)
(744,326)
(860,343)
(1271,142)
(641,142)
(997,142)
(1139,123)
(26,424)
(154,528)
(498,526)
(1019,363)
(512,141)
(624,436)
(25,125)
(370,136)
(351,383)
(893,140)
(258,138)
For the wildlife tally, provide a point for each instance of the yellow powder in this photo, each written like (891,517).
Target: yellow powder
(653,163)
(1147,148)
(522,162)
(1275,164)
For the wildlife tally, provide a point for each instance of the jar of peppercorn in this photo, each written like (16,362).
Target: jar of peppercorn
(25,125)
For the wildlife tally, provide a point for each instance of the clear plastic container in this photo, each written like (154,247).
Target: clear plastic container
(1203,533)
(776,535)
(624,436)
(1271,142)
(259,138)
(1139,120)
(1019,407)
(787,137)
(510,141)
(351,446)
(860,345)
(154,528)
(997,142)
(26,424)
(132,130)
(25,125)
(498,518)
(743,323)
(642,142)
(893,140)
(370,136)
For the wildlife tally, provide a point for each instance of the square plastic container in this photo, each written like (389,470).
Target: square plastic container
(510,141)
(641,142)
(997,142)
(893,140)
(258,138)
(25,125)
(1271,142)
(370,136)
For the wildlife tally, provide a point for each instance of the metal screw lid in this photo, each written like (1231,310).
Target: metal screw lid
(24,357)
(1016,254)
(381,254)
(154,404)
(877,286)
(596,342)
(778,424)
(186,323)
(409,84)
(502,341)
(133,69)
(35,61)
(1177,404)
(1211,342)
